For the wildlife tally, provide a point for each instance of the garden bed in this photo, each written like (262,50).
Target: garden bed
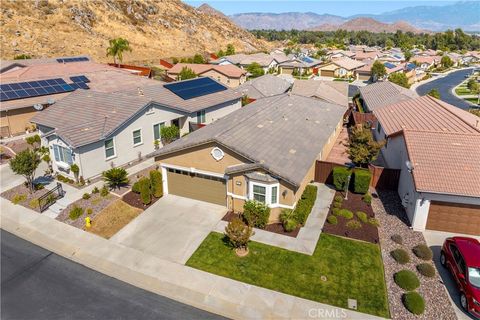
(367,232)
(122,190)
(113,218)
(273,227)
(21,195)
(96,203)
(17,145)
(134,200)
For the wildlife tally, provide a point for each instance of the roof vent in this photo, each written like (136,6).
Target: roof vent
(292,151)
(260,126)
(140,91)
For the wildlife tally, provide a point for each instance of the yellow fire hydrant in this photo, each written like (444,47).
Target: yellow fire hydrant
(88,222)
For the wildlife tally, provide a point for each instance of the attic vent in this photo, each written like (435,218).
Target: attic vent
(260,126)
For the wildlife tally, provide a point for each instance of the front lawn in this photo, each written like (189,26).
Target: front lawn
(353,269)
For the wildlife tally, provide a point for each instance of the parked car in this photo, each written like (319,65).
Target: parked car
(461,256)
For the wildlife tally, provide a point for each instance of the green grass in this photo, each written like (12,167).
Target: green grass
(353,269)
(473,100)
(462,91)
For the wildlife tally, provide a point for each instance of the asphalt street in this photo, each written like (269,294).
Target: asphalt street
(38,284)
(445,85)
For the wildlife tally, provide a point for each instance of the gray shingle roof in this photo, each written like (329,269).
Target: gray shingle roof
(265,86)
(283,134)
(384,93)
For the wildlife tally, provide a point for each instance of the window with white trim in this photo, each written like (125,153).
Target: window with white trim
(157,129)
(274,195)
(137,137)
(259,193)
(62,154)
(265,193)
(109,148)
(201,116)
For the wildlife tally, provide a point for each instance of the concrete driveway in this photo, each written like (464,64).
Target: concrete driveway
(435,241)
(172,228)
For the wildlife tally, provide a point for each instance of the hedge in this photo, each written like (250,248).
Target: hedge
(156,183)
(340,177)
(361,181)
(145,192)
(305,204)
(256,214)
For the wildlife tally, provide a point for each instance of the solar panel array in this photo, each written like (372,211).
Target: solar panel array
(79,79)
(74,59)
(195,88)
(307,60)
(389,65)
(22,90)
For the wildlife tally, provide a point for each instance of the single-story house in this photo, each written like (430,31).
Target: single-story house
(98,130)
(366,55)
(436,146)
(340,68)
(383,93)
(426,62)
(300,65)
(329,91)
(230,75)
(265,151)
(264,86)
(266,61)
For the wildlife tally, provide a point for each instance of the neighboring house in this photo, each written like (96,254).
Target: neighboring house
(366,55)
(265,152)
(340,68)
(335,54)
(436,146)
(279,56)
(28,89)
(383,93)
(299,66)
(426,62)
(99,130)
(265,86)
(230,75)
(329,91)
(266,61)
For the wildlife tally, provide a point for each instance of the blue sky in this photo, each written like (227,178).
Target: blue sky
(341,8)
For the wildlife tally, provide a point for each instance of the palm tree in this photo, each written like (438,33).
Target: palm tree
(117,47)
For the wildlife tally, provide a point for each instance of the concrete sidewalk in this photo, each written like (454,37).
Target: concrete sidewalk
(213,293)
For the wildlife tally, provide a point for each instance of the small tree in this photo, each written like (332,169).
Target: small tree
(156,183)
(25,163)
(473,86)
(256,213)
(362,149)
(446,62)
(220,53)
(255,70)
(76,170)
(144,186)
(238,233)
(34,141)
(186,73)
(378,70)
(399,78)
(169,133)
(198,59)
(434,93)
(115,177)
(408,55)
(117,47)
(230,50)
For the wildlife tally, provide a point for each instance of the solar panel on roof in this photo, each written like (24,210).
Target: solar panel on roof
(307,60)
(75,59)
(389,65)
(195,88)
(79,79)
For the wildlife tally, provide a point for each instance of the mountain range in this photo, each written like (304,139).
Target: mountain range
(465,15)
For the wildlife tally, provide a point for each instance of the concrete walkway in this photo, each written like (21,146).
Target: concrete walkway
(307,238)
(203,290)
(172,228)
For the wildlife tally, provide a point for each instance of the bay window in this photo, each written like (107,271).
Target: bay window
(265,193)
(62,154)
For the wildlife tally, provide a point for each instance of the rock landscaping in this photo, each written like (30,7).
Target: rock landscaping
(428,299)
(22,196)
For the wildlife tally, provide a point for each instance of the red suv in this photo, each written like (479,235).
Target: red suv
(461,255)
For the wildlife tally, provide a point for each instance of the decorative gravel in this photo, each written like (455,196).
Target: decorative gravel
(393,220)
(23,190)
(96,202)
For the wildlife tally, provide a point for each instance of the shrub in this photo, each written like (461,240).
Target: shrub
(413,302)
(338,199)
(353,224)
(340,177)
(336,211)
(86,196)
(75,169)
(169,134)
(373,222)
(305,204)
(82,181)
(397,239)
(367,198)
(332,220)
(89,211)
(17,198)
(136,187)
(423,252)
(362,216)
(104,191)
(290,225)
(256,214)
(145,191)
(238,233)
(288,221)
(95,190)
(361,181)
(426,269)
(407,280)
(400,255)
(337,204)
(347,214)
(156,183)
(38,186)
(34,203)
(115,177)
(75,213)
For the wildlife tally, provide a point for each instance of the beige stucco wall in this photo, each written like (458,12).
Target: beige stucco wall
(17,119)
(228,81)
(331,141)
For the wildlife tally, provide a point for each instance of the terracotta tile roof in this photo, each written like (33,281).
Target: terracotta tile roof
(384,93)
(426,59)
(347,63)
(360,55)
(330,91)
(428,114)
(228,70)
(445,162)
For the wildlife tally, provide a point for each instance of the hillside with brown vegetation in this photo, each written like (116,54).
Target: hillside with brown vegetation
(48,28)
(369,24)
